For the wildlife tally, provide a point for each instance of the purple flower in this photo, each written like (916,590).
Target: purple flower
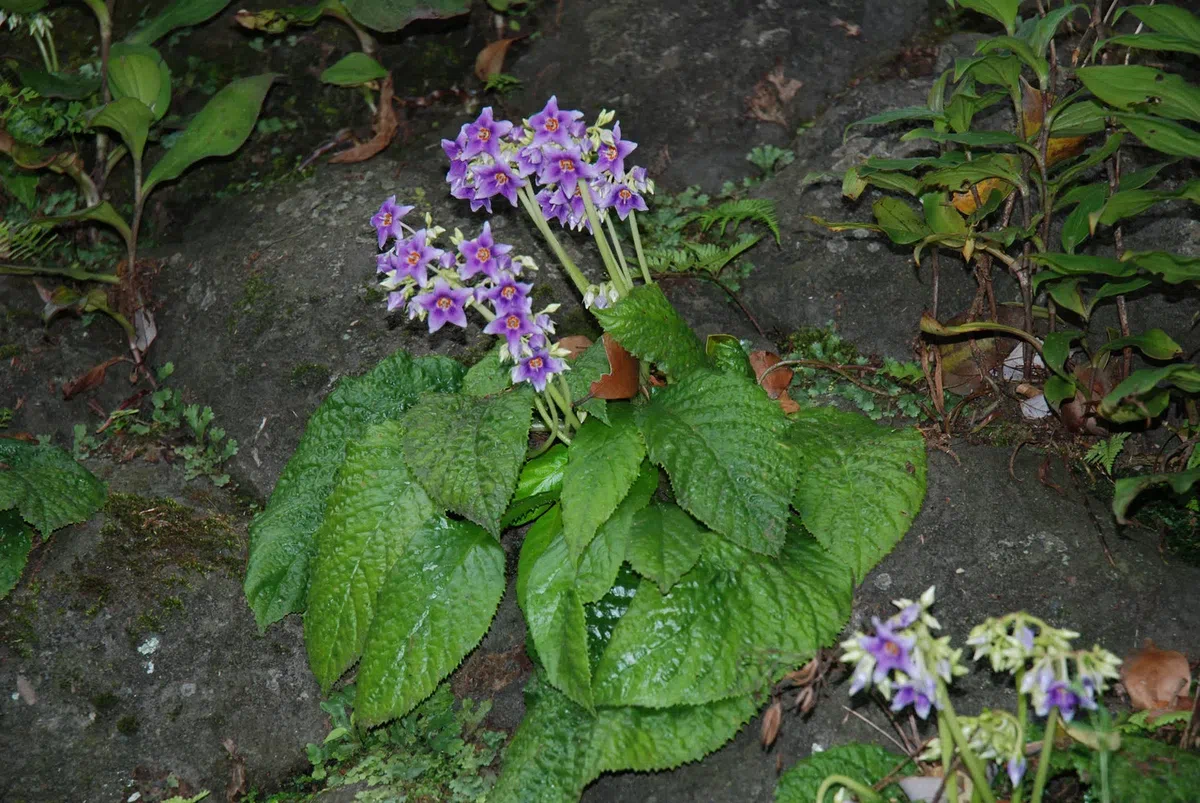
(395,301)
(496,179)
(612,157)
(483,136)
(508,295)
(537,368)
(624,198)
(920,691)
(572,204)
(444,305)
(413,257)
(638,178)
(905,617)
(1058,695)
(551,207)
(483,255)
(565,168)
(454,151)
(529,160)
(385,262)
(890,651)
(387,220)
(1016,770)
(551,125)
(512,326)
(1025,637)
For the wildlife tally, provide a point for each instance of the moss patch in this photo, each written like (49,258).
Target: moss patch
(310,375)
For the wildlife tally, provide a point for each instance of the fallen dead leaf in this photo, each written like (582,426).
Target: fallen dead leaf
(785,87)
(849,27)
(490,60)
(770,93)
(386,126)
(25,689)
(776,382)
(771,722)
(235,790)
(89,380)
(575,345)
(621,382)
(19,436)
(1157,680)
(788,404)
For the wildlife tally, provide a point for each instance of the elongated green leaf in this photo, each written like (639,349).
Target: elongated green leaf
(130,118)
(102,212)
(282,537)
(895,116)
(1154,343)
(1171,268)
(47,487)
(1127,203)
(1156,41)
(974,139)
(392,15)
(1128,488)
(948,159)
(664,543)
(1076,228)
(435,605)
(1133,87)
(1039,65)
(354,69)
(179,14)
(1164,136)
(940,214)
(899,221)
(22,6)
(1183,375)
(16,541)
(138,71)
(1093,157)
(1114,289)
(646,324)
(720,438)
(662,651)
(467,452)
(1084,265)
(864,763)
(1166,18)
(68,86)
(375,508)
(1043,32)
(861,484)
(601,561)
(1003,11)
(553,606)
(218,130)
(1079,119)
(603,462)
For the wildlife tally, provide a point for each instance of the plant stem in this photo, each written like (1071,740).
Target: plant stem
(482,310)
(637,246)
(974,766)
(565,391)
(865,794)
(612,234)
(564,405)
(67,273)
(1039,783)
(531,209)
(550,419)
(949,782)
(1022,720)
(620,281)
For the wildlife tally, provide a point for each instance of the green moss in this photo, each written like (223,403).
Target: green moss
(310,375)
(257,304)
(105,701)
(10,350)
(127,725)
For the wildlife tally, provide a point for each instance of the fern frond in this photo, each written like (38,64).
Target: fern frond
(1105,453)
(693,256)
(733,213)
(25,242)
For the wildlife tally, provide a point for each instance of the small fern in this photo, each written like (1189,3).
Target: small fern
(693,256)
(1105,453)
(734,213)
(25,242)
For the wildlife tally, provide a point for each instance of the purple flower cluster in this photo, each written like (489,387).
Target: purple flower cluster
(556,149)
(1050,687)
(438,285)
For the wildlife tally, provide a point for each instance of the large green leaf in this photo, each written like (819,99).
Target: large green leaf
(708,638)
(866,763)
(546,591)
(47,487)
(375,508)
(68,86)
(1148,771)
(282,537)
(436,604)
(900,222)
(664,543)
(16,540)
(468,451)
(218,130)
(538,487)
(1133,87)
(130,118)
(1171,268)
(601,561)
(861,484)
(22,6)
(138,71)
(1165,136)
(1165,18)
(489,376)
(1128,488)
(392,15)
(1003,11)
(646,324)
(1156,41)
(603,462)
(179,14)
(354,69)
(721,440)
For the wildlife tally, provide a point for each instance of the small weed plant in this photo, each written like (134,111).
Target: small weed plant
(680,542)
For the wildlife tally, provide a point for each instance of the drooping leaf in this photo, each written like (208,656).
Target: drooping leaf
(375,508)
(354,69)
(897,115)
(47,487)
(866,763)
(16,540)
(282,537)
(603,462)
(1127,203)
(179,14)
(1170,19)
(1128,488)
(218,130)
(1154,343)
(138,71)
(68,86)
(861,484)
(646,324)
(435,605)
(1155,41)
(601,561)
(664,543)
(727,355)
(1045,28)
(553,607)
(900,222)
(662,652)
(1136,88)
(721,440)
(102,212)
(467,452)
(1143,384)
(1056,347)
(1171,268)
(1003,11)
(131,119)
(1165,136)
(1084,265)
(392,15)
(1039,65)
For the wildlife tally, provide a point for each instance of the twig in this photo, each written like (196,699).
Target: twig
(732,295)
(828,366)
(881,731)
(1012,458)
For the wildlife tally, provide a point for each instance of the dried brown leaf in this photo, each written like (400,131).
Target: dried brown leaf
(490,60)
(622,380)
(771,722)
(386,126)
(774,383)
(89,380)
(1157,680)
(849,27)
(785,87)
(575,345)
(770,93)
(235,790)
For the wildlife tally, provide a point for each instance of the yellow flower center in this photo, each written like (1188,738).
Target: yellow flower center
(567,165)
(512,322)
(624,194)
(483,254)
(412,258)
(387,218)
(484,134)
(501,178)
(552,125)
(891,648)
(535,364)
(611,153)
(444,303)
(508,293)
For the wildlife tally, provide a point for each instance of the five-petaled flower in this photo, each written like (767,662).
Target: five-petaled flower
(444,305)
(624,199)
(482,255)
(512,326)
(484,135)
(537,368)
(387,220)
(610,156)
(413,257)
(566,167)
(552,125)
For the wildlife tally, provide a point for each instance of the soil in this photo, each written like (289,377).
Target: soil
(128,658)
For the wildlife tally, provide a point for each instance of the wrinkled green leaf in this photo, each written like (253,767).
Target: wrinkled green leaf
(392,15)
(467,452)
(865,763)
(218,130)
(663,653)
(179,14)
(664,543)
(586,369)
(646,324)
(354,69)
(282,537)
(47,487)
(601,561)
(375,508)
(603,461)
(436,604)
(489,376)
(861,484)
(899,221)
(727,354)
(138,71)
(720,438)
(16,541)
